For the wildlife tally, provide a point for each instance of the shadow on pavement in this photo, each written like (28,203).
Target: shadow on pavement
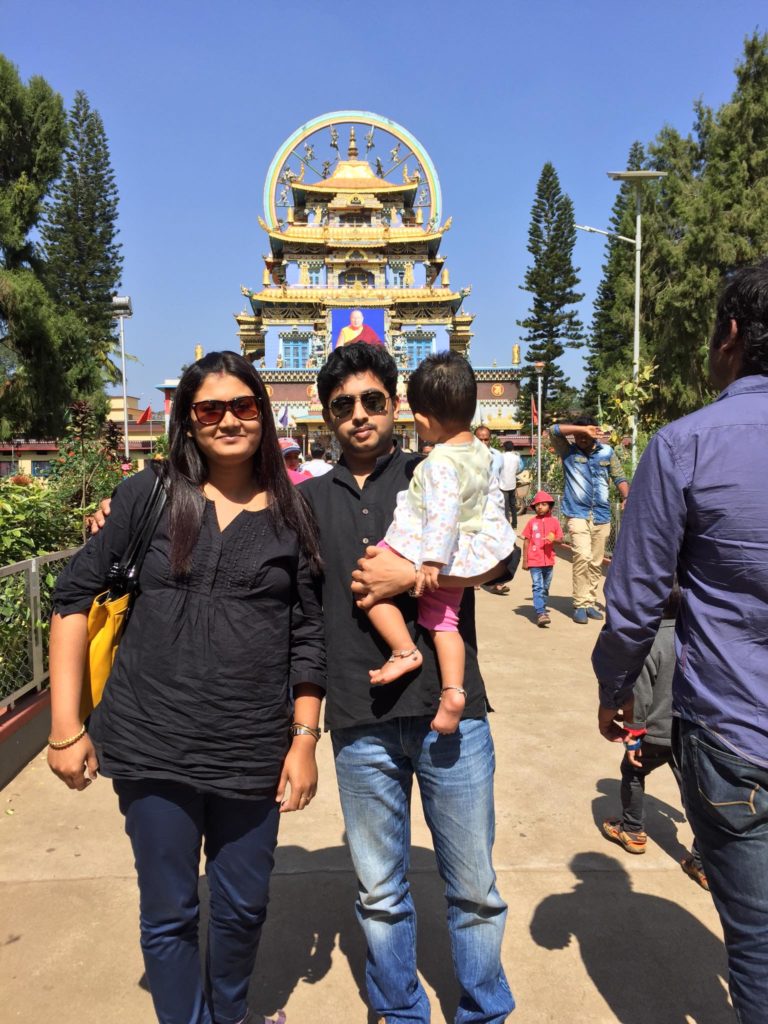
(561,605)
(661,818)
(312,913)
(649,959)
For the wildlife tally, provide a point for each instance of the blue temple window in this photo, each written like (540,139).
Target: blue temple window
(418,350)
(295,354)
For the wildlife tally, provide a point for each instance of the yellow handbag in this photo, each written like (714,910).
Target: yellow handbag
(111,610)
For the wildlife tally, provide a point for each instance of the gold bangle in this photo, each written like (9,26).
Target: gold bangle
(63,744)
(297,729)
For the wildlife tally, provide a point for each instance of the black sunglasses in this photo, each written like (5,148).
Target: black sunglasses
(374,403)
(211,411)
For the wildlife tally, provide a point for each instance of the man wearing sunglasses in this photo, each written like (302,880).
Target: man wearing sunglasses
(381,735)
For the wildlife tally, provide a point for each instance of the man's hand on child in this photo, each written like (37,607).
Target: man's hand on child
(380,574)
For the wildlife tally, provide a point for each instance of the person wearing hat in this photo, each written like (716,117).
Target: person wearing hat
(291,456)
(539,537)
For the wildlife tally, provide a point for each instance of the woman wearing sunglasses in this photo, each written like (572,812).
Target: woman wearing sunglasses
(208,723)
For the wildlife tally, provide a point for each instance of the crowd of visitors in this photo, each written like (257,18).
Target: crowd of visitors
(681,660)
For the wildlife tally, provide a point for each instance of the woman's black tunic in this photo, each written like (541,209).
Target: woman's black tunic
(199,692)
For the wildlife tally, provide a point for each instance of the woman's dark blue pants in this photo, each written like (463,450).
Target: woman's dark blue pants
(167,824)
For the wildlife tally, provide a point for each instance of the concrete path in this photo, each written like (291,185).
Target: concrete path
(594,935)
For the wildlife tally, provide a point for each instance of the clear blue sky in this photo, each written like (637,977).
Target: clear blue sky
(196,98)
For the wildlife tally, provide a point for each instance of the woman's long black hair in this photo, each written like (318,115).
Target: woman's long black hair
(188,469)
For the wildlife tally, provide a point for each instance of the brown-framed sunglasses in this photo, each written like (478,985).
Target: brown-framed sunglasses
(211,411)
(374,402)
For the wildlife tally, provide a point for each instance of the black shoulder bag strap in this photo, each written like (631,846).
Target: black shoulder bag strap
(124,575)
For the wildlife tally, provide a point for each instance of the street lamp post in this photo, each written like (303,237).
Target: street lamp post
(636,179)
(122,308)
(539,368)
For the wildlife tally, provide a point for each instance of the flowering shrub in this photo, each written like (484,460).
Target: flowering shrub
(89,467)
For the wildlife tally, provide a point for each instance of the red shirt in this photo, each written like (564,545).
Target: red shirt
(540,550)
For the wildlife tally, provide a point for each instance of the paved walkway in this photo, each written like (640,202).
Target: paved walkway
(594,935)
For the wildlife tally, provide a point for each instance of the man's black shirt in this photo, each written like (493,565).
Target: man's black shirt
(349,520)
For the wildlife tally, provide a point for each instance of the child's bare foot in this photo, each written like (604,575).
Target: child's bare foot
(398,665)
(452,700)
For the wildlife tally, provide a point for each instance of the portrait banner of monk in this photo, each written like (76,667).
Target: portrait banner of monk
(351,325)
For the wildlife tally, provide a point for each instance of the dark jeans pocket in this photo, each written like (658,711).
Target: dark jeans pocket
(733,791)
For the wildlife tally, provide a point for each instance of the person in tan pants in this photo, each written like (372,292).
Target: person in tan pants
(588,466)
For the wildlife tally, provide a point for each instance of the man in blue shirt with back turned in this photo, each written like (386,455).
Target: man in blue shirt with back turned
(698,507)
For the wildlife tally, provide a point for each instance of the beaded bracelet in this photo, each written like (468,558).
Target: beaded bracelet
(63,744)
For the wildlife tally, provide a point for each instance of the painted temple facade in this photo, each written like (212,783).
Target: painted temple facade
(353,230)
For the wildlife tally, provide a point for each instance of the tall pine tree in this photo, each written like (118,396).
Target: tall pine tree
(609,358)
(552,324)
(79,233)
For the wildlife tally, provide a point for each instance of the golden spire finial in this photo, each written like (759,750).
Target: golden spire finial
(352,151)
(198,352)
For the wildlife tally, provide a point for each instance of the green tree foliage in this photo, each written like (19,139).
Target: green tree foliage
(82,256)
(33,334)
(552,324)
(709,215)
(719,221)
(32,137)
(609,358)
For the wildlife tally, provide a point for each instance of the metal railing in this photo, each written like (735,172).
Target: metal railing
(26,595)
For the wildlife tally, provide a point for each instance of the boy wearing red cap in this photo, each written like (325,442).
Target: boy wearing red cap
(539,536)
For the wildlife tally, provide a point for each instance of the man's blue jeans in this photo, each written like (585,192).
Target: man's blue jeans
(726,799)
(541,577)
(375,766)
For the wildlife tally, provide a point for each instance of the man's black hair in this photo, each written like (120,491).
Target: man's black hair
(444,386)
(359,357)
(585,421)
(509,446)
(744,298)
(316,450)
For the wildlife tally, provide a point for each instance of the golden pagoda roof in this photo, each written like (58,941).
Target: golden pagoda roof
(354,176)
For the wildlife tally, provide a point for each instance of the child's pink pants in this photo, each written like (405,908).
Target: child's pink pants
(438,609)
